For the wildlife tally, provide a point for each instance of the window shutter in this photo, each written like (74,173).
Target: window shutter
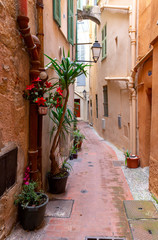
(104,42)
(57,11)
(70,22)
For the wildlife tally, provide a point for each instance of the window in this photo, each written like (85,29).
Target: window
(105,99)
(57,11)
(104,43)
(96,98)
(81,80)
(70,22)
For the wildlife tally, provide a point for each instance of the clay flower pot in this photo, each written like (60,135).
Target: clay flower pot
(133,161)
(42,110)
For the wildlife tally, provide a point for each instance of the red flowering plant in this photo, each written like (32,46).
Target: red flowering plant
(28,195)
(35,92)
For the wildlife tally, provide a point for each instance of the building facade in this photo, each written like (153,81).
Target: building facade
(146,82)
(110,76)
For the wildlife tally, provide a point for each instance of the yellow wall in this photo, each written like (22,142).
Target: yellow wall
(116,64)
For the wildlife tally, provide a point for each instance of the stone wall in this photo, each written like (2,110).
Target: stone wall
(14,112)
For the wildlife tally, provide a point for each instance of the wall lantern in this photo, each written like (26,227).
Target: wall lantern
(84,94)
(96,50)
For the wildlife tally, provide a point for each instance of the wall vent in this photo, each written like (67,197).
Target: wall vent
(8,167)
(103,123)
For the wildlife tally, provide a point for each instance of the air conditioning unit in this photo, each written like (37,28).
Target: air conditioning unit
(103,123)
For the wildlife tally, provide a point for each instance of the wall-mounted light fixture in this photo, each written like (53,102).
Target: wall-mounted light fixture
(96,50)
(84,94)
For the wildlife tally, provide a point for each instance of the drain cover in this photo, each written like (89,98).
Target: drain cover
(144,229)
(84,191)
(59,208)
(136,209)
(118,163)
(104,238)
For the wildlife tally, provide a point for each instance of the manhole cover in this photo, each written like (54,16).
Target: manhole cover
(104,238)
(136,209)
(144,229)
(59,208)
(118,163)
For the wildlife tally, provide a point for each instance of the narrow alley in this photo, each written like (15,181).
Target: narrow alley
(98,189)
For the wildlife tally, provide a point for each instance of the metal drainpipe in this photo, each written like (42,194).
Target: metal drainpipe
(34,73)
(40,34)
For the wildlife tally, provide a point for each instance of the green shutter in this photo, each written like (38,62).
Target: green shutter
(70,22)
(57,11)
(104,42)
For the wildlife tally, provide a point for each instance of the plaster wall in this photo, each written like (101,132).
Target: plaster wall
(116,64)
(55,39)
(144,114)
(144,27)
(153,179)
(154,19)
(14,111)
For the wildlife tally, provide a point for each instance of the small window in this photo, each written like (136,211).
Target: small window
(96,96)
(81,80)
(104,42)
(70,22)
(57,11)
(105,100)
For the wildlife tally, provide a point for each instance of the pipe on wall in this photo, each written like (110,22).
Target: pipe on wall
(132,98)
(33,46)
(23,8)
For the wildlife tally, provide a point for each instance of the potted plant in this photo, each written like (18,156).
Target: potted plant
(78,138)
(57,183)
(67,72)
(74,152)
(131,161)
(35,94)
(31,204)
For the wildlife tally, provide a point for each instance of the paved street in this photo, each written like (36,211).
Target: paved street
(98,189)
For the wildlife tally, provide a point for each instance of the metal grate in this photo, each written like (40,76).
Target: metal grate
(105,238)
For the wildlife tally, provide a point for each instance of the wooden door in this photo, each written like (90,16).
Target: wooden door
(77,107)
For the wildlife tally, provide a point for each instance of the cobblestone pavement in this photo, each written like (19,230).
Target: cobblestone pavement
(98,189)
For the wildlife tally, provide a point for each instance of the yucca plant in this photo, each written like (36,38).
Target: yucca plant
(67,72)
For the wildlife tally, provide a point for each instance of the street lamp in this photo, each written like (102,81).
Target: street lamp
(84,94)
(96,49)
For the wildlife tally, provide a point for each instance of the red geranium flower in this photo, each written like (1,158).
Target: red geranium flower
(48,84)
(59,90)
(37,80)
(30,87)
(40,101)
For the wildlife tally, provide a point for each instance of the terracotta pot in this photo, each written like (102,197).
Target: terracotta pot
(133,162)
(42,110)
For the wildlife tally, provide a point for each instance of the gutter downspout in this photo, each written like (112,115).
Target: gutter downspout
(132,99)
(33,46)
(40,35)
